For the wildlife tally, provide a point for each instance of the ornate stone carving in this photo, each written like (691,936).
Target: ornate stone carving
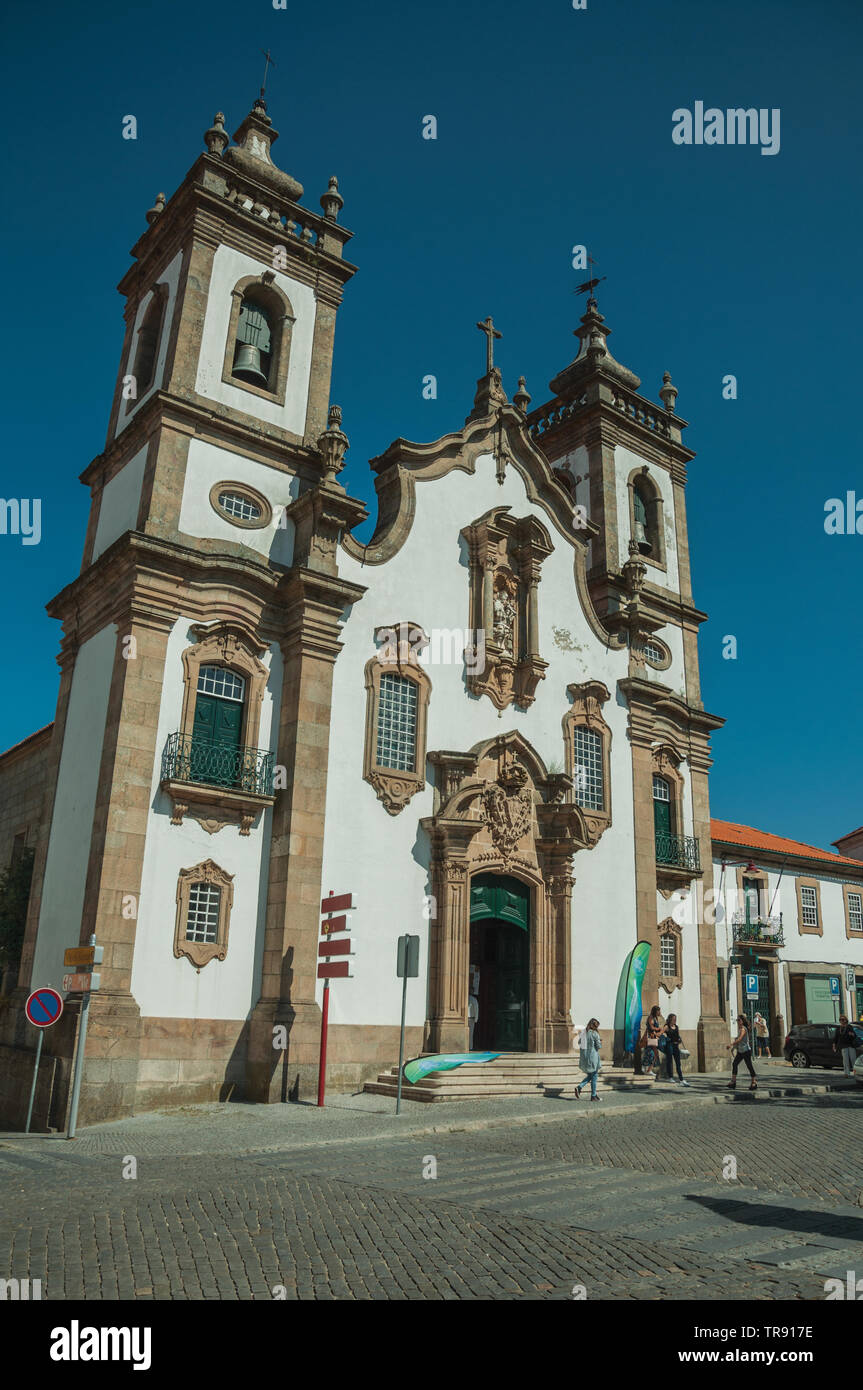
(506,556)
(508,807)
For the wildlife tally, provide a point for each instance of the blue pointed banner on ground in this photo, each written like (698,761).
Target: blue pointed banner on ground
(444,1061)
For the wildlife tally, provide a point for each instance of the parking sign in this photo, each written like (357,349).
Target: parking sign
(834,986)
(751,986)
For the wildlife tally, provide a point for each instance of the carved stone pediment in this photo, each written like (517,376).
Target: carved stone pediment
(508,808)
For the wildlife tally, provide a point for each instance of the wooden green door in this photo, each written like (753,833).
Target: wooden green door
(216,740)
(500,951)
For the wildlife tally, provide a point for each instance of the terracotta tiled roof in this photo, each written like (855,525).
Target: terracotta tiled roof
(743,835)
(29,739)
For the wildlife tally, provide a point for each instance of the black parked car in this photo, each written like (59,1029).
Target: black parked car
(811,1044)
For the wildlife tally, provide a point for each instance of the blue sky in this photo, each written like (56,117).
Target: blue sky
(554,129)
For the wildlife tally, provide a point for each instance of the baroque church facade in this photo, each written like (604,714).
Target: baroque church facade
(485,723)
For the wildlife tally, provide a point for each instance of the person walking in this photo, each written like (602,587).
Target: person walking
(845,1041)
(652,1032)
(762,1036)
(590,1045)
(672,1050)
(742,1053)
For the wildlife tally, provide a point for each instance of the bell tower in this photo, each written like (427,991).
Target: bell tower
(625,463)
(230,320)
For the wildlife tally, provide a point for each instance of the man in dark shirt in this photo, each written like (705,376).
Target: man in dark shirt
(845,1042)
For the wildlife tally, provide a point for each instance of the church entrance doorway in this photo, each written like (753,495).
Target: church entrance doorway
(499,975)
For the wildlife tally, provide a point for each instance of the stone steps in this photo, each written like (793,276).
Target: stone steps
(511,1074)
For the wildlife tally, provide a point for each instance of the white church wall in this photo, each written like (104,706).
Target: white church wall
(74,804)
(171,277)
(164,986)
(383,858)
(118,506)
(207,465)
(625,461)
(230,266)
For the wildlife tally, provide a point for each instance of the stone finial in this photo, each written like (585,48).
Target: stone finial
(332,201)
(216,138)
(333,444)
(156,210)
(521,399)
(668,393)
(635,570)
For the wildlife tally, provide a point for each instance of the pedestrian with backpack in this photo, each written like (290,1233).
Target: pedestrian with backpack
(742,1053)
(590,1044)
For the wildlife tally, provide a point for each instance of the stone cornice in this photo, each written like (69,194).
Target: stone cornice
(198,417)
(656,602)
(650,701)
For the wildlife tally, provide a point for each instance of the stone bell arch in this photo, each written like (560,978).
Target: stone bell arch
(498,810)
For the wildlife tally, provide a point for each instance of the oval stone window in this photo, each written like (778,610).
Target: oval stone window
(241,505)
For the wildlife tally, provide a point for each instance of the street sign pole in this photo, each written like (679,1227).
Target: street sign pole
(79,1066)
(407,966)
(402,1042)
(33,1087)
(74,957)
(322,1063)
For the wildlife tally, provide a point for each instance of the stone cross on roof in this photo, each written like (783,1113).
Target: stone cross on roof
(488,328)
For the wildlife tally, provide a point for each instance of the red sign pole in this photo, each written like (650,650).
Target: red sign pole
(322,1064)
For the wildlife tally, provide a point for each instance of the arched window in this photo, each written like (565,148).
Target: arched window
(149,334)
(662,819)
(646,516)
(253,346)
(258,342)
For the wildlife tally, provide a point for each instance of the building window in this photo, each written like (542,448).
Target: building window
(202,919)
(394,754)
(809,919)
(587,768)
(853,910)
(149,335)
(216,680)
(656,654)
(587,747)
(205,896)
(241,505)
(670,972)
(397,723)
(809,904)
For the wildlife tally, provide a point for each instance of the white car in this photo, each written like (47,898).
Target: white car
(858,1070)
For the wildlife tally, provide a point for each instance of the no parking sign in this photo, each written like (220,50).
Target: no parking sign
(44,1007)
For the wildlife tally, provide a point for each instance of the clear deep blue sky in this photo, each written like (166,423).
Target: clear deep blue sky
(554,129)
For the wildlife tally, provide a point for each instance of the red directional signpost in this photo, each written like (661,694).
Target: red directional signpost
(332,968)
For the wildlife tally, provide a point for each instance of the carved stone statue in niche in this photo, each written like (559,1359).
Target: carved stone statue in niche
(505,613)
(506,555)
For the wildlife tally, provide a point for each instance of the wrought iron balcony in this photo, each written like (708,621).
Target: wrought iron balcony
(678,852)
(763,931)
(192,760)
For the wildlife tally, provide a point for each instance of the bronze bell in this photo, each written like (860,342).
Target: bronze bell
(247,365)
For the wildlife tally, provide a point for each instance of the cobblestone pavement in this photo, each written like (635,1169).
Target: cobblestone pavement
(629,1206)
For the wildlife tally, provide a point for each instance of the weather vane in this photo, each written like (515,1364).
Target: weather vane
(589,286)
